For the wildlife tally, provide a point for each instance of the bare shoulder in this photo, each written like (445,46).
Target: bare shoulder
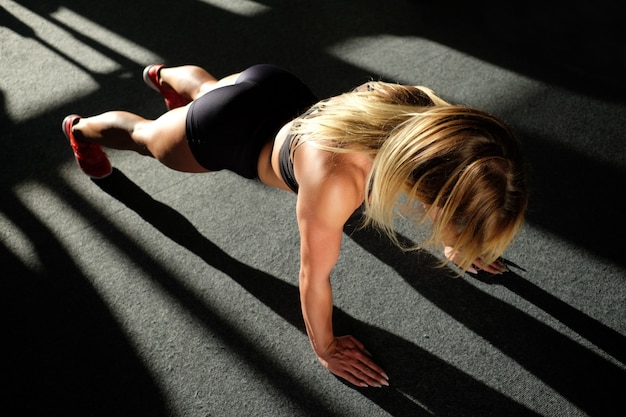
(332,185)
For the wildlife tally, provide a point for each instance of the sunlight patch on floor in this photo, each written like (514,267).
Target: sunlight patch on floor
(65,41)
(246,8)
(101,35)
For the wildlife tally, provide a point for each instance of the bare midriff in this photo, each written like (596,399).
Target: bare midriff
(268,165)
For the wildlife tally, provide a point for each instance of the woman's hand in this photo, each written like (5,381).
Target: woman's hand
(496,267)
(347,358)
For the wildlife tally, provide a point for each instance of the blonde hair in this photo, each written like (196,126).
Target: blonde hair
(463,163)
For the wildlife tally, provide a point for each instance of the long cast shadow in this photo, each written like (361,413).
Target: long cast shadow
(421,382)
(586,379)
(590,238)
(555,203)
(171,222)
(601,335)
(64,353)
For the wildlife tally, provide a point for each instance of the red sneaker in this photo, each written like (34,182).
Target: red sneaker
(90,157)
(172,98)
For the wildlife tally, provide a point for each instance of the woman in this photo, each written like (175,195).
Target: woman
(459,167)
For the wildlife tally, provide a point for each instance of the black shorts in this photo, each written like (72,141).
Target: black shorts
(227,127)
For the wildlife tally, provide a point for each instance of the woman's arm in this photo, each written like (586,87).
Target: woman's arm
(323,208)
(320,242)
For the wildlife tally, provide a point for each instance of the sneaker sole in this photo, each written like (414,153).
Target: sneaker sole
(147,80)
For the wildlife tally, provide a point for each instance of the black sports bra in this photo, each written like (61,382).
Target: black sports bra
(285,163)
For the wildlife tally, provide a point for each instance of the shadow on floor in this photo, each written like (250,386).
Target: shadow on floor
(65,353)
(422,383)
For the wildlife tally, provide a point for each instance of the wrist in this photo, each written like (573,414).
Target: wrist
(321,350)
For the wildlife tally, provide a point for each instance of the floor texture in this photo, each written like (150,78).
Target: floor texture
(156,293)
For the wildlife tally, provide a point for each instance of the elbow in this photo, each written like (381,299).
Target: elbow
(303,279)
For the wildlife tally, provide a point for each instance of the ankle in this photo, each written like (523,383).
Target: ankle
(78,129)
(159,79)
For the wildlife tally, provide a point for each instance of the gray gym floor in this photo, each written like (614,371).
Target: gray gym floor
(161,293)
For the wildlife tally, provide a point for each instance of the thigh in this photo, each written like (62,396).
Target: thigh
(166,140)
(223,82)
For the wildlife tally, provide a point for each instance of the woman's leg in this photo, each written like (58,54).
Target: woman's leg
(191,81)
(163,138)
